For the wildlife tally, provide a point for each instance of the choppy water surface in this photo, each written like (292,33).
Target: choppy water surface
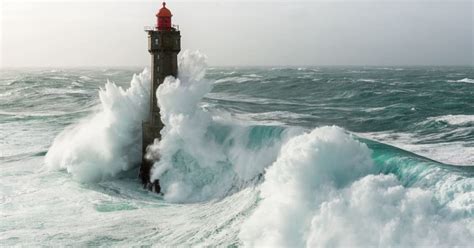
(293,157)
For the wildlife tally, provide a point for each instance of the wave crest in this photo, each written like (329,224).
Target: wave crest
(323,191)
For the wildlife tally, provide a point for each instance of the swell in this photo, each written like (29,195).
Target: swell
(308,187)
(204,154)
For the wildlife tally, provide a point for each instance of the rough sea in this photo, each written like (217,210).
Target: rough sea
(250,156)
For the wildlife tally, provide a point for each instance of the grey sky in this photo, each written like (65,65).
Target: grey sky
(110,33)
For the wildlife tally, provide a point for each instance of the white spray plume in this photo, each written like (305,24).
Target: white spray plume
(193,165)
(109,141)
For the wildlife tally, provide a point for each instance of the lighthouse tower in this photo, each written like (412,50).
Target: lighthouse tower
(164,44)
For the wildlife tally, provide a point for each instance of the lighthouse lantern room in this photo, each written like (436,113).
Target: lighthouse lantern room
(163,18)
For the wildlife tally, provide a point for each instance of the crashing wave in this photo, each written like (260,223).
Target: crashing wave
(202,156)
(320,188)
(108,142)
(323,191)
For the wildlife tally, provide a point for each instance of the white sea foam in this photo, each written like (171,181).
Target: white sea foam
(321,193)
(366,80)
(374,109)
(107,142)
(271,118)
(466,80)
(454,119)
(456,153)
(253,75)
(235,79)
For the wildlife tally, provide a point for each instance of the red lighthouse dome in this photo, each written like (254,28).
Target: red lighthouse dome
(164,18)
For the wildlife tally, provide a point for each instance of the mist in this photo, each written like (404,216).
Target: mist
(240,33)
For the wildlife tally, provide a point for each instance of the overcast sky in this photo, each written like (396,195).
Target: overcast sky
(243,33)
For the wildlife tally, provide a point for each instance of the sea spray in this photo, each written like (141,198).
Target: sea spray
(319,188)
(202,156)
(109,141)
(323,191)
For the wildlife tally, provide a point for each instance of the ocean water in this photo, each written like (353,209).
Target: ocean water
(250,156)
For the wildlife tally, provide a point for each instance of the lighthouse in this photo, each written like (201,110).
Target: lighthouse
(164,44)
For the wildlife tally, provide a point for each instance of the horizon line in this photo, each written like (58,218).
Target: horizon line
(238,66)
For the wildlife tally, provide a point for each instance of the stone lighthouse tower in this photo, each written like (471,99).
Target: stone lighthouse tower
(164,44)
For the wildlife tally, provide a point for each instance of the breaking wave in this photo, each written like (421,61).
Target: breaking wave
(108,142)
(202,156)
(323,187)
(319,188)
(328,190)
